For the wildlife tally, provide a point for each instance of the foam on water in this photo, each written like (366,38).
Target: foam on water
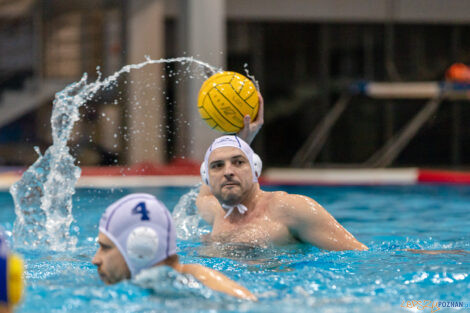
(43,196)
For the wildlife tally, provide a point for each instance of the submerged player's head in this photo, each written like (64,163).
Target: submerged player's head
(230,169)
(11,277)
(136,232)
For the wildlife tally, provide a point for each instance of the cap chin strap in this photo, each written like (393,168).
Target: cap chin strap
(241,209)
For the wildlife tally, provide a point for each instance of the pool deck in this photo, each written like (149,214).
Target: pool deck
(186,175)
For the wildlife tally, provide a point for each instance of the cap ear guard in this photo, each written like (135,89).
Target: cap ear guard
(257,166)
(204,175)
(142,245)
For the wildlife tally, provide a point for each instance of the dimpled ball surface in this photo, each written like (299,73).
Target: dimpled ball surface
(225,98)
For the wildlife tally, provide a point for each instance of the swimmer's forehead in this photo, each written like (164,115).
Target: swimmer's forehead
(224,153)
(104,240)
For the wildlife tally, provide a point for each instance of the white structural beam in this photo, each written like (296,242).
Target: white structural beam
(341,176)
(410,90)
(415,90)
(202,35)
(145,105)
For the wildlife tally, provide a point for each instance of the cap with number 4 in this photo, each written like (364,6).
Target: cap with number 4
(142,229)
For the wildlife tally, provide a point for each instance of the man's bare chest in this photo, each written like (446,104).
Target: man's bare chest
(260,230)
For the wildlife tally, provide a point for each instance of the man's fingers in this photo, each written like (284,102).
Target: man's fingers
(251,128)
(246,120)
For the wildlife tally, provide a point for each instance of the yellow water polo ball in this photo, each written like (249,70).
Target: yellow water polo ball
(225,99)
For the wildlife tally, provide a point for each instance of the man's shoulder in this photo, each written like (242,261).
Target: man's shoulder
(279,200)
(280,196)
(274,197)
(287,201)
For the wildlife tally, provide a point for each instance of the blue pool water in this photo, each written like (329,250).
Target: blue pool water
(297,278)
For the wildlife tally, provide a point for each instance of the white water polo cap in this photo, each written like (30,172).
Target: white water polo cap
(142,229)
(232,141)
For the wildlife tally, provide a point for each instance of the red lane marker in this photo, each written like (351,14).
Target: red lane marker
(438,176)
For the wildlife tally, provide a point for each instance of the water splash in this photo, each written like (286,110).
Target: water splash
(252,77)
(43,195)
(189,224)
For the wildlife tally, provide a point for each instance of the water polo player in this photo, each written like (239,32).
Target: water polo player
(11,277)
(231,200)
(137,233)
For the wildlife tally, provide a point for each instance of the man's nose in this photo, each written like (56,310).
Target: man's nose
(96,259)
(228,169)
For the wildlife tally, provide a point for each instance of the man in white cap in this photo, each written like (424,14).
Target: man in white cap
(136,233)
(231,200)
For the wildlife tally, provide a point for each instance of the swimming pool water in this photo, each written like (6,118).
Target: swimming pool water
(296,278)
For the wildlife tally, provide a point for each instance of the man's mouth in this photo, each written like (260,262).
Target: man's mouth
(230,183)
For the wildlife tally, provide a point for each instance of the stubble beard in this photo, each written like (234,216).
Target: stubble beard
(233,197)
(230,199)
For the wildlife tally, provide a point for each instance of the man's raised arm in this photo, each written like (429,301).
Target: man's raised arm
(218,281)
(251,128)
(207,205)
(310,222)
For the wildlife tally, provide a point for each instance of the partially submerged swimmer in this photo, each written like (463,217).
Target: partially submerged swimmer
(137,233)
(231,200)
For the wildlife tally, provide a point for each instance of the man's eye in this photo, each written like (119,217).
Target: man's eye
(216,165)
(239,162)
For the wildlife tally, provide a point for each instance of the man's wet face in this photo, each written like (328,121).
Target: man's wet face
(112,267)
(230,175)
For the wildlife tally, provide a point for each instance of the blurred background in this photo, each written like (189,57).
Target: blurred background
(317,63)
